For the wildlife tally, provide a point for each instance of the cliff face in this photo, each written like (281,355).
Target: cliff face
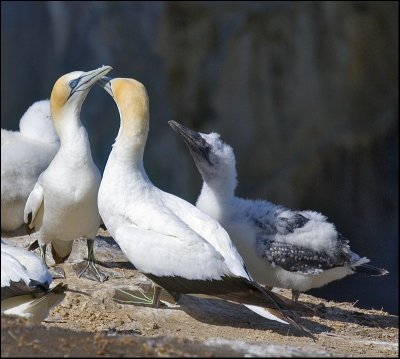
(306,93)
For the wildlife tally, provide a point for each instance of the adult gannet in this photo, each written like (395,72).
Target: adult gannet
(25,284)
(173,243)
(297,250)
(63,204)
(24,156)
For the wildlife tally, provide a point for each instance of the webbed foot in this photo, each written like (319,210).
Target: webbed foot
(149,297)
(89,270)
(57,272)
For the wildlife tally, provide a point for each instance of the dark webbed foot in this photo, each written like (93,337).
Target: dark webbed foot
(57,272)
(149,297)
(89,270)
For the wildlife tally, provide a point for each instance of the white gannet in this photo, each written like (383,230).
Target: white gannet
(63,204)
(25,284)
(297,250)
(169,240)
(24,156)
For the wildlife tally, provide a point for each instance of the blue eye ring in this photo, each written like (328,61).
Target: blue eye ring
(73,83)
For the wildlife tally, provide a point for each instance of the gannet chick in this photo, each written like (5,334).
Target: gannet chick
(169,240)
(25,154)
(63,204)
(25,285)
(297,250)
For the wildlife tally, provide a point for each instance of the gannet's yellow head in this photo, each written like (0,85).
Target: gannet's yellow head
(133,104)
(70,91)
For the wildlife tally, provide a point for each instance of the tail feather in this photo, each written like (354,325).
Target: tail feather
(33,307)
(370,270)
(40,307)
(269,313)
(235,289)
(278,316)
(59,288)
(281,301)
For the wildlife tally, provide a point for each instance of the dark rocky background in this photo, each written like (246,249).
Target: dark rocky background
(305,92)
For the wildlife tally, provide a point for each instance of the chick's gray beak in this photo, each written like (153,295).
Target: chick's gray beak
(105,83)
(193,139)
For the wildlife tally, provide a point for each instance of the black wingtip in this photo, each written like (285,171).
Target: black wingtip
(59,288)
(38,285)
(34,245)
(370,270)
(27,225)
(291,322)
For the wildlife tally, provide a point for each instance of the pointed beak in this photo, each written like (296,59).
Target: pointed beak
(88,79)
(193,139)
(105,83)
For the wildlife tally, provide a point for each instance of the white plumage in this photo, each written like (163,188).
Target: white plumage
(298,250)
(63,204)
(168,239)
(25,284)
(24,155)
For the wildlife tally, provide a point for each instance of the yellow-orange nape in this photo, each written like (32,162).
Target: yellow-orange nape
(133,103)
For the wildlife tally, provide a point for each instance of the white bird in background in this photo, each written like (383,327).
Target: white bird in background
(25,285)
(24,156)
(63,204)
(297,250)
(173,243)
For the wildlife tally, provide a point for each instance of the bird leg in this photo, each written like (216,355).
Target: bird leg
(56,272)
(139,297)
(89,270)
(295,295)
(42,248)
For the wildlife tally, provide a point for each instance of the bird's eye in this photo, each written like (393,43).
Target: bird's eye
(73,83)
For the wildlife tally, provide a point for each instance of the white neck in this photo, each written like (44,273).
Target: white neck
(217,194)
(73,136)
(128,157)
(129,151)
(67,125)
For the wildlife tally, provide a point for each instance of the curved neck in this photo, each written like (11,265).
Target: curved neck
(217,194)
(67,126)
(74,141)
(128,165)
(129,154)
(131,139)
(221,183)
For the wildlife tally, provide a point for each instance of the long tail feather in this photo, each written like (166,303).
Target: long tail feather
(278,316)
(281,301)
(371,270)
(269,313)
(34,309)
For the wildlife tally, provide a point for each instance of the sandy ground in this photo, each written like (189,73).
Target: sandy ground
(92,324)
